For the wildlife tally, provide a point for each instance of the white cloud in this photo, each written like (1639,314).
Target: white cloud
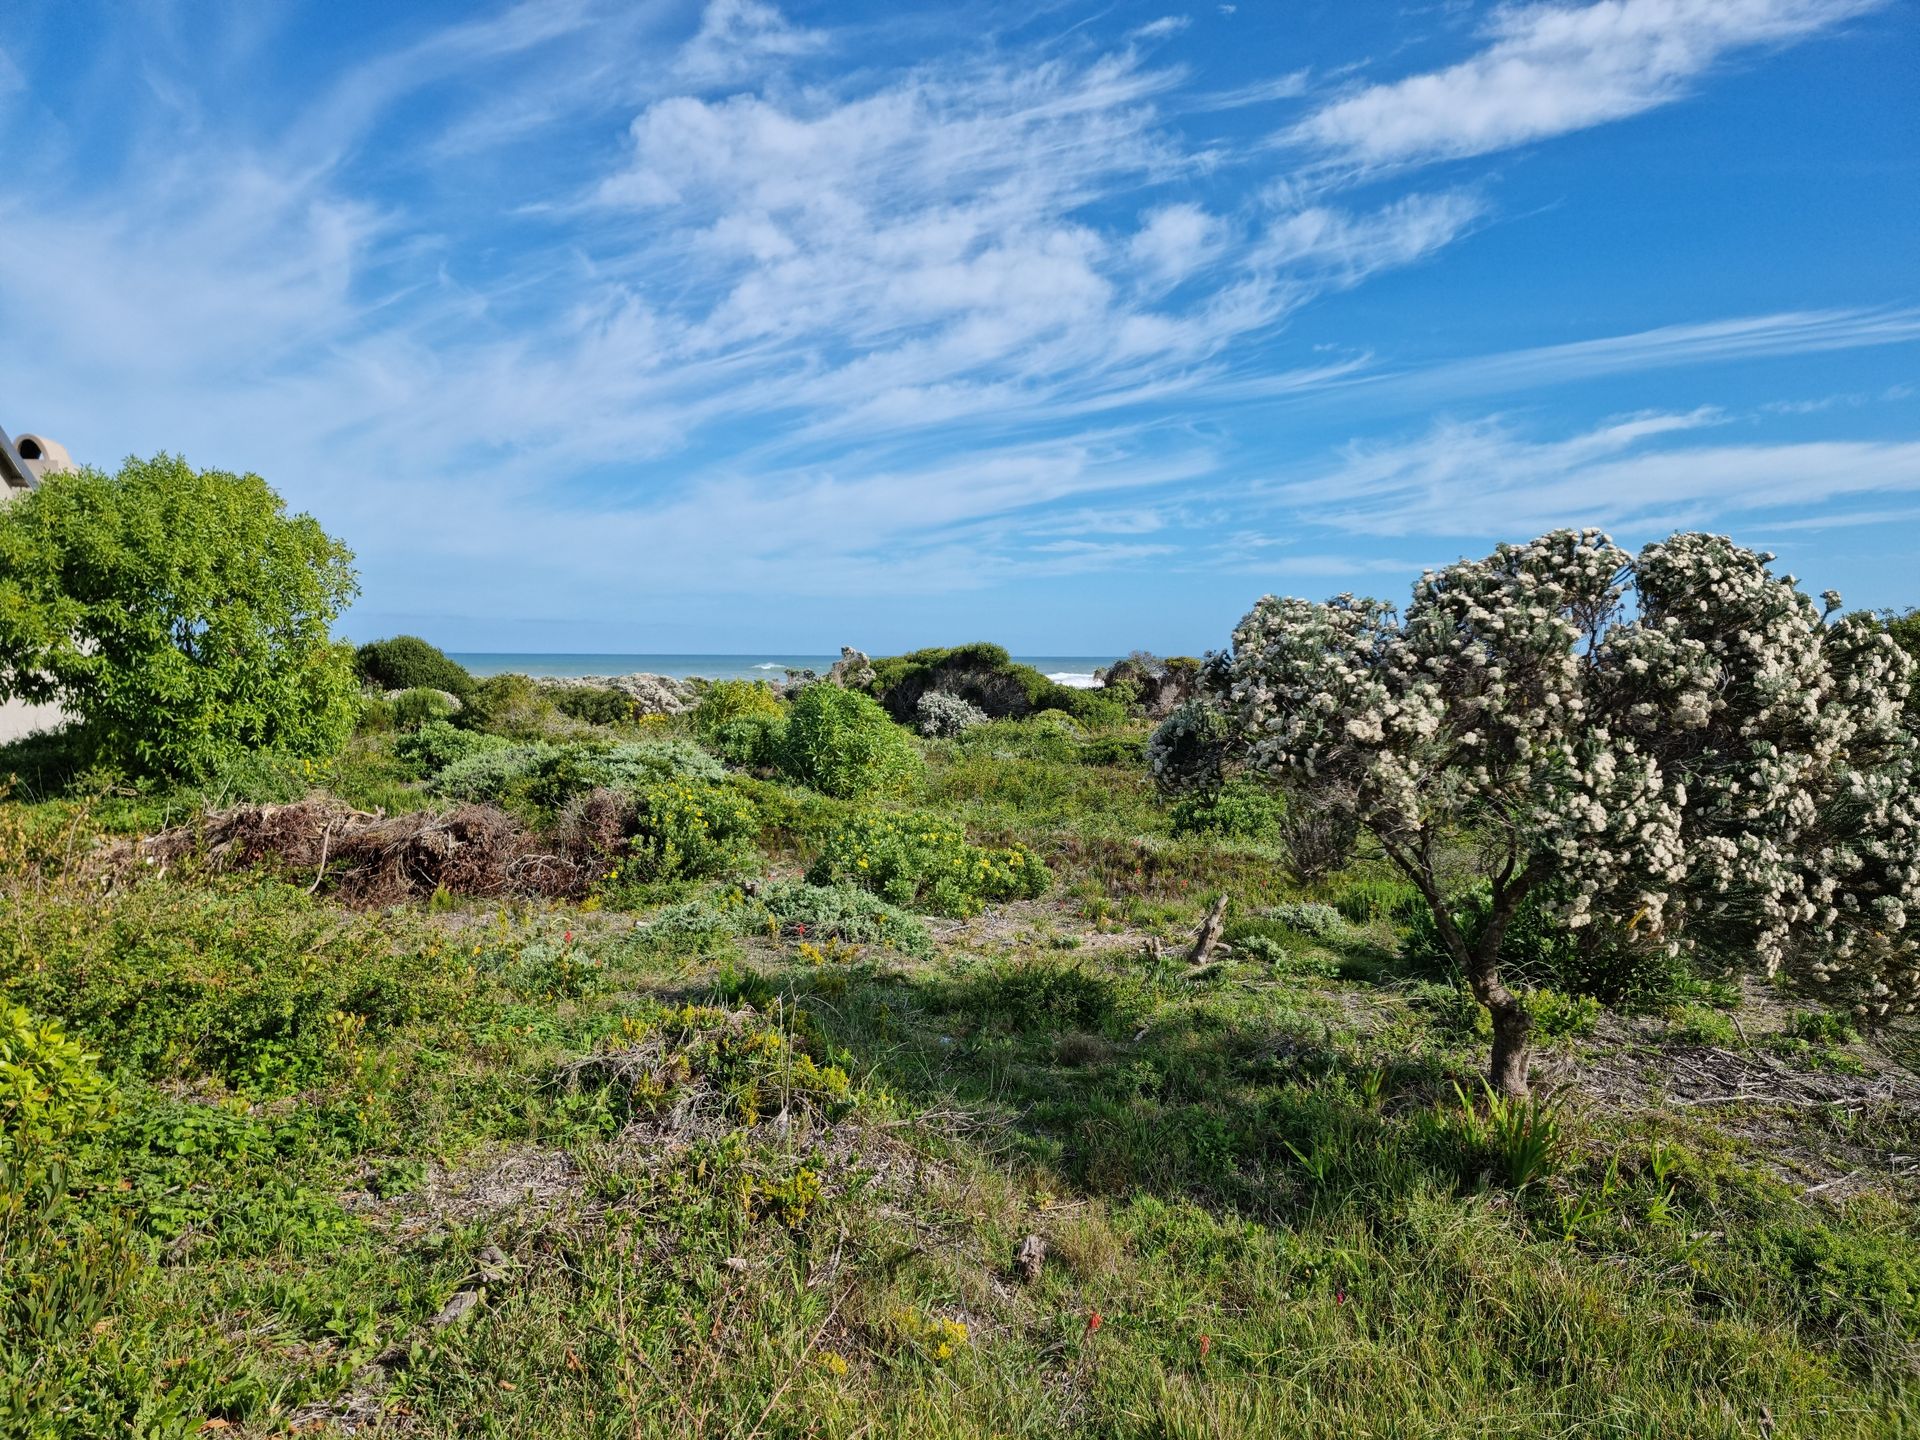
(1163,28)
(1552,68)
(1483,478)
(1174,241)
(1351,247)
(738,38)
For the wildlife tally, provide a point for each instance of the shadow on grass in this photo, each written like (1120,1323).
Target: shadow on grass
(1123,1081)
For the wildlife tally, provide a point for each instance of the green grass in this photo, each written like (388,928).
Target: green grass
(713,1177)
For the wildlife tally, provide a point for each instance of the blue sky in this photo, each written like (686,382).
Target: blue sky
(728,325)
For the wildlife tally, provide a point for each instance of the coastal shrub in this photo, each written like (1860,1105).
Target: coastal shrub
(1241,809)
(986,676)
(687,830)
(925,862)
(750,741)
(514,706)
(842,744)
(595,704)
(1050,735)
(375,716)
(52,1098)
(437,744)
(415,708)
(1678,742)
(406,662)
(543,776)
(726,701)
(182,615)
(1602,960)
(1127,750)
(946,717)
(790,909)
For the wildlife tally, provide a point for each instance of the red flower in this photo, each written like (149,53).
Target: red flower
(799,928)
(568,938)
(1093,1321)
(1206,1344)
(1339,1297)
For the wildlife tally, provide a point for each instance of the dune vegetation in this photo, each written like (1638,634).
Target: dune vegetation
(776,1068)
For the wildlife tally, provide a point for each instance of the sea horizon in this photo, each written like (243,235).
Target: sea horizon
(1074,670)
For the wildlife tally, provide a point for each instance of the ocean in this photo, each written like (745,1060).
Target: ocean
(1074,670)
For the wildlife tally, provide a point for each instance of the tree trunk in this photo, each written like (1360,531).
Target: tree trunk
(1512,1025)
(1512,1036)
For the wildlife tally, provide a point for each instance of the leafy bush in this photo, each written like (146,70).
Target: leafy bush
(1365,898)
(689,830)
(925,862)
(1309,917)
(750,741)
(946,717)
(987,677)
(1050,735)
(842,744)
(406,662)
(1605,961)
(796,910)
(726,701)
(52,1097)
(420,707)
(513,706)
(595,704)
(183,615)
(1821,1027)
(1128,750)
(543,776)
(436,745)
(1241,809)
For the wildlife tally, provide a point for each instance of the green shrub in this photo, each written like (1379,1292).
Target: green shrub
(595,704)
(726,701)
(985,676)
(542,777)
(182,615)
(415,708)
(375,717)
(1701,1025)
(1821,1027)
(1366,898)
(1599,959)
(795,910)
(842,744)
(513,706)
(688,830)
(406,662)
(436,745)
(1241,809)
(1050,735)
(1556,1014)
(52,1097)
(750,741)
(925,862)
(1127,750)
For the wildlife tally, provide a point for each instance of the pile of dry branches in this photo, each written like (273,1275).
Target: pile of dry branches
(369,859)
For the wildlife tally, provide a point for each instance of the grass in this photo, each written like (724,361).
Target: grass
(461,1168)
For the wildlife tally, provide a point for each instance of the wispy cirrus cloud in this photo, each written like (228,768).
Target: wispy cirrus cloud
(1639,473)
(624,301)
(1552,68)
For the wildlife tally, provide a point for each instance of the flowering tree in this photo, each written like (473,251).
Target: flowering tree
(1677,741)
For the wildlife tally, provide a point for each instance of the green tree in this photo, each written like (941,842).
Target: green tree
(182,615)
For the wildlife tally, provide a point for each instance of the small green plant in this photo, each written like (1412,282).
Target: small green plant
(1701,1025)
(1522,1139)
(1241,809)
(1821,1027)
(925,862)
